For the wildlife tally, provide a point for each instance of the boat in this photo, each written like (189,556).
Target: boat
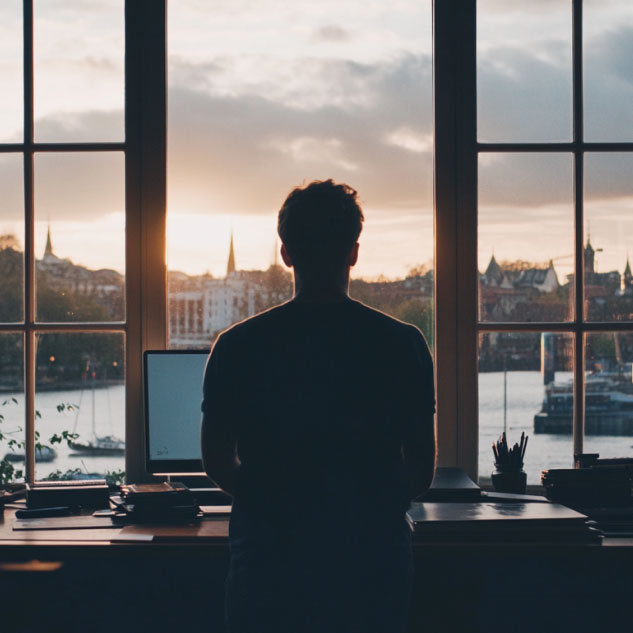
(99,445)
(42,454)
(608,406)
(106,445)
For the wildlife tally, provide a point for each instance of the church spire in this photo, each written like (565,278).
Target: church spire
(49,247)
(589,256)
(230,267)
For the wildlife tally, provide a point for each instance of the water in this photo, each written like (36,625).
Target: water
(109,417)
(525,393)
(524,398)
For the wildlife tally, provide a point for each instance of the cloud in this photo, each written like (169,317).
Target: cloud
(410,140)
(312,150)
(332,33)
(240,146)
(243,153)
(522,98)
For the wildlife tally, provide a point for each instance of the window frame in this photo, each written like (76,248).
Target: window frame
(456,151)
(456,161)
(144,148)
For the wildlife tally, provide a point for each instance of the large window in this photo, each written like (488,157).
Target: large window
(82,166)
(263,100)
(525,293)
(554,230)
(62,249)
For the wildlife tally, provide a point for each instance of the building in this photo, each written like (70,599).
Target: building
(104,286)
(201,306)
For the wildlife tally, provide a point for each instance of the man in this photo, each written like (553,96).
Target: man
(318,419)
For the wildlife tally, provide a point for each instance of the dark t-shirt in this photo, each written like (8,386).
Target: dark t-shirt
(320,398)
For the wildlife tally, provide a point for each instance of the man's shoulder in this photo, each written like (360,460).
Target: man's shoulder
(254,324)
(386,322)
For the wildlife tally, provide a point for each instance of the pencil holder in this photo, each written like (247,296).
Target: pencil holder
(509,479)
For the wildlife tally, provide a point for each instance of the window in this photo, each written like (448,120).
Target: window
(528,297)
(554,200)
(71,252)
(261,101)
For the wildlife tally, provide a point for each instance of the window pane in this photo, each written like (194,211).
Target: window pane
(526,239)
(11,236)
(526,386)
(80,236)
(80,390)
(252,115)
(524,71)
(609,237)
(11,75)
(608,73)
(12,415)
(78,70)
(609,394)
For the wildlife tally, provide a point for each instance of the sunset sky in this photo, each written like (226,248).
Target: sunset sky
(265,96)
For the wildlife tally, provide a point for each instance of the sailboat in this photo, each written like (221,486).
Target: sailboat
(98,445)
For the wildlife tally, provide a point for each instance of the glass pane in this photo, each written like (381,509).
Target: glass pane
(78,68)
(609,237)
(609,394)
(526,386)
(608,73)
(249,119)
(11,75)
(11,236)
(80,391)
(526,237)
(524,71)
(80,236)
(12,413)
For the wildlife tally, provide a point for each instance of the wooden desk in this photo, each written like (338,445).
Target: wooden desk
(91,584)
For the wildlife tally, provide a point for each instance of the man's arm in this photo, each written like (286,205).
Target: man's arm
(419,447)
(419,454)
(219,455)
(217,434)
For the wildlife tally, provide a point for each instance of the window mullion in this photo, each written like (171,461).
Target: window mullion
(29,251)
(455,117)
(146,201)
(579,338)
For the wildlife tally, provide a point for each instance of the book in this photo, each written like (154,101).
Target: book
(88,493)
(496,521)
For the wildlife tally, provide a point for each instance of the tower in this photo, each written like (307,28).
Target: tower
(589,256)
(49,246)
(230,266)
(627,278)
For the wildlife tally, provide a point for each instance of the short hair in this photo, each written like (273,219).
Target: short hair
(319,224)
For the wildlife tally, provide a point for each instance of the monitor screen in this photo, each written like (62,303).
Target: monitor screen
(173,394)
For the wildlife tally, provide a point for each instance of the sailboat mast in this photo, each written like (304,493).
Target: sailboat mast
(94,428)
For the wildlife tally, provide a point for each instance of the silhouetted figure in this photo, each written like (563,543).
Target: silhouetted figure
(318,419)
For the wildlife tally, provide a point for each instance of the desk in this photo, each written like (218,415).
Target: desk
(178,585)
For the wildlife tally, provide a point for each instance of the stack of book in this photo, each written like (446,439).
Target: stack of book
(163,502)
(588,487)
(499,522)
(74,493)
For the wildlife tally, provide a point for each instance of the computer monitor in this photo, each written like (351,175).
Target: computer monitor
(172,382)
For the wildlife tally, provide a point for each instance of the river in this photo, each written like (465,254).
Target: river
(524,397)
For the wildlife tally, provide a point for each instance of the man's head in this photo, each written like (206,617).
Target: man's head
(319,227)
